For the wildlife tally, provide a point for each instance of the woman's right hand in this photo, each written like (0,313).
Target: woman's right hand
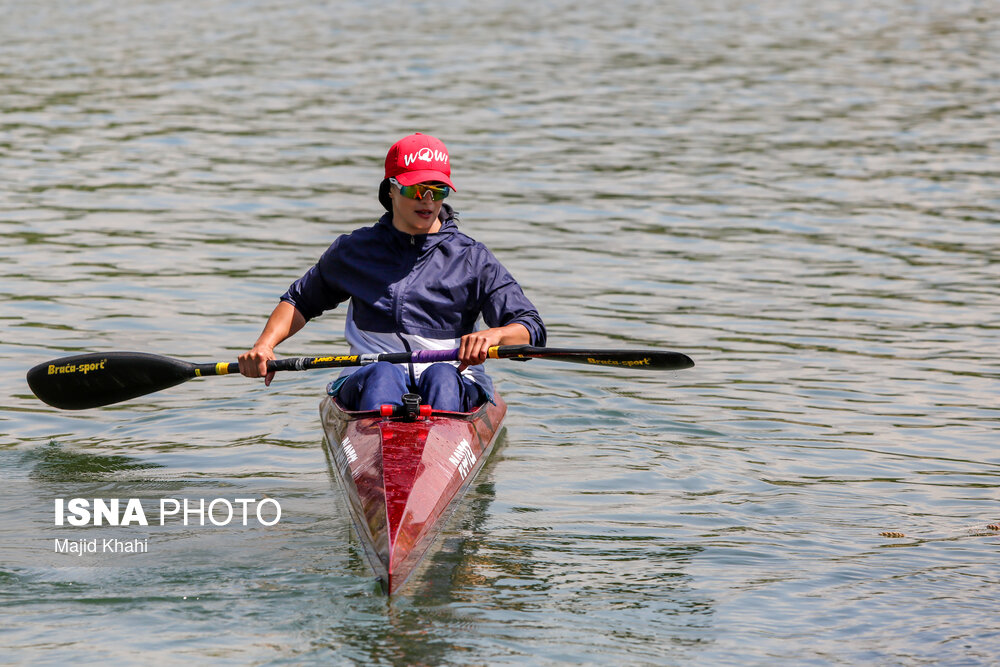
(253,363)
(285,320)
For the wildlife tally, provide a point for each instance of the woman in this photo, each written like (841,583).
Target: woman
(414,282)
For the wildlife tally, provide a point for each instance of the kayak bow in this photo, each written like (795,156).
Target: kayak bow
(402,479)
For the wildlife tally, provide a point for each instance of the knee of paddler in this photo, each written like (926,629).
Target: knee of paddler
(439,373)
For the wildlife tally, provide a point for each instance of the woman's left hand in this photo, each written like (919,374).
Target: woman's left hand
(476,345)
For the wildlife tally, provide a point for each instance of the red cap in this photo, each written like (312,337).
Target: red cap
(418,158)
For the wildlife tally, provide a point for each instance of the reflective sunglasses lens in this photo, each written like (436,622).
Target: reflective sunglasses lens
(419,191)
(440,193)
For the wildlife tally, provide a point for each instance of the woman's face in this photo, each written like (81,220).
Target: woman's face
(415,216)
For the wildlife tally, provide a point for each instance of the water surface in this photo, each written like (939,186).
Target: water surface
(802,198)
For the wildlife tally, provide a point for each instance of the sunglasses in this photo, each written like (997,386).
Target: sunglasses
(420,190)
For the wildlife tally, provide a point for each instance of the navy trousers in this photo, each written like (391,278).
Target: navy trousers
(440,385)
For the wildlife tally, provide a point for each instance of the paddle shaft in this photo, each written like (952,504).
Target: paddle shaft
(643,359)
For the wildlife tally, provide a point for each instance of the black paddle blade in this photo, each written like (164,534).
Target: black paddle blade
(92,380)
(645,359)
(654,360)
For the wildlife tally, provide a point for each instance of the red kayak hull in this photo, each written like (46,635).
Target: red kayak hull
(401,478)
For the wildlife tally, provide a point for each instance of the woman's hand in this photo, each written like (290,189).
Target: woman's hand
(285,320)
(477,344)
(253,363)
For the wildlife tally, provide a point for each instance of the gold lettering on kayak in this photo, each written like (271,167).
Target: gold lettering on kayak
(74,368)
(624,362)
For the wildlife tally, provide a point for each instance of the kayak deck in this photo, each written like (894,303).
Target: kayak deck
(402,478)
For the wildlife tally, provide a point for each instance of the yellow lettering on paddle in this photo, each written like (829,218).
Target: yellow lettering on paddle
(611,362)
(82,368)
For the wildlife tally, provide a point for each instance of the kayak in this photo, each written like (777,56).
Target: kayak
(403,471)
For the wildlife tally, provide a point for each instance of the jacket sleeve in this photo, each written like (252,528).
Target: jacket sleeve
(504,301)
(318,289)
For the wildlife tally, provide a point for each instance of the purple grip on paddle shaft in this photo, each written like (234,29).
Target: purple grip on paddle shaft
(432,356)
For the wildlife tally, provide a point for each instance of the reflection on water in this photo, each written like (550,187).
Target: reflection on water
(801,197)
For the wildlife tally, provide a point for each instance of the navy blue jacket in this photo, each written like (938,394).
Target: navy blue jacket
(411,292)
